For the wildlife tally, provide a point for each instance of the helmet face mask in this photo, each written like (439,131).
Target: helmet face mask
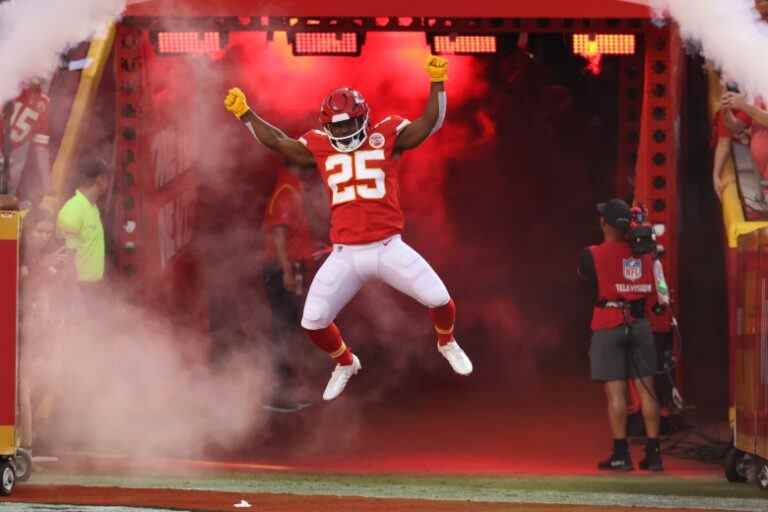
(344,118)
(347,135)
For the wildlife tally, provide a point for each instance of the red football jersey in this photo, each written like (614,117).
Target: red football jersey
(28,125)
(363,185)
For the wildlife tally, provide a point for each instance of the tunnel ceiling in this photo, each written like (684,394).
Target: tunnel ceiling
(422,8)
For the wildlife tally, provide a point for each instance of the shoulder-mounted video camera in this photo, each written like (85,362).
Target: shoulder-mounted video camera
(640,235)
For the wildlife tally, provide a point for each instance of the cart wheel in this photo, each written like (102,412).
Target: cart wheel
(23,464)
(735,466)
(762,473)
(7,478)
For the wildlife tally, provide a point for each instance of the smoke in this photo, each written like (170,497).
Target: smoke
(391,333)
(34,33)
(139,382)
(125,380)
(731,34)
(287,91)
(452,190)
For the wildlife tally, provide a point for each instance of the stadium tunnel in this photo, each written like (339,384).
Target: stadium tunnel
(553,107)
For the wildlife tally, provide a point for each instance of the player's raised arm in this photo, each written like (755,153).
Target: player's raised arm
(434,114)
(269,135)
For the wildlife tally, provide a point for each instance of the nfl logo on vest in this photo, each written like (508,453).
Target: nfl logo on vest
(633,269)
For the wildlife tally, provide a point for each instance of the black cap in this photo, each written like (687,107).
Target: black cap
(616,213)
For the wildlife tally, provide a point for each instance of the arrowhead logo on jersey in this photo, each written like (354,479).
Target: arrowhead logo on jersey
(633,269)
(376,140)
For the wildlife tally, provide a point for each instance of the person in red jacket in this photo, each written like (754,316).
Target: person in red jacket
(289,249)
(622,345)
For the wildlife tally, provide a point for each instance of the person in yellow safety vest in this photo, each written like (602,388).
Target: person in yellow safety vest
(79,223)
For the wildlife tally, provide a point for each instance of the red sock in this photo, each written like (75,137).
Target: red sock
(329,340)
(444,318)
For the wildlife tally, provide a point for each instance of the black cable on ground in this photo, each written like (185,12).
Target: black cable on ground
(694,444)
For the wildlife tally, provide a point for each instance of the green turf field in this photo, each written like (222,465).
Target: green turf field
(632,489)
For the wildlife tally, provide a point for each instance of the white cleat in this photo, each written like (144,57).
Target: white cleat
(456,357)
(340,377)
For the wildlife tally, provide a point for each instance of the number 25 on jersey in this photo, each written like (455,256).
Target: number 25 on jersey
(352,176)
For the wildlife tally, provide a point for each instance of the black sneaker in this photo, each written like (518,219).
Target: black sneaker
(651,462)
(616,463)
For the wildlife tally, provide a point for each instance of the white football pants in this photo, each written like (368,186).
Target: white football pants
(350,266)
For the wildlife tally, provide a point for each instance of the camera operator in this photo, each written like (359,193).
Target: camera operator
(622,278)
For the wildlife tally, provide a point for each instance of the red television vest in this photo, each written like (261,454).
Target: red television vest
(621,276)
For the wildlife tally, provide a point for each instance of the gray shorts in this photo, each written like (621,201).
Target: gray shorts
(623,352)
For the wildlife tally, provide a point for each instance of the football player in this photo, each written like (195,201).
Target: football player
(356,159)
(24,140)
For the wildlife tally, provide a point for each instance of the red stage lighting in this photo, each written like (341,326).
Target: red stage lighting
(604,44)
(327,43)
(188,42)
(463,45)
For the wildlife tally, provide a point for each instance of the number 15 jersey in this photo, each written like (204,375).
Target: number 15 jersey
(363,185)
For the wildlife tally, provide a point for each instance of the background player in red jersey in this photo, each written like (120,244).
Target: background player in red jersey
(289,253)
(24,143)
(366,218)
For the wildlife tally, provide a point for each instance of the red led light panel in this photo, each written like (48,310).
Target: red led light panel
(188,42)
(465,44)
(325,43)
(604,44)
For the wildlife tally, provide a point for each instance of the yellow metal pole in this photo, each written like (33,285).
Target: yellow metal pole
(63,167)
